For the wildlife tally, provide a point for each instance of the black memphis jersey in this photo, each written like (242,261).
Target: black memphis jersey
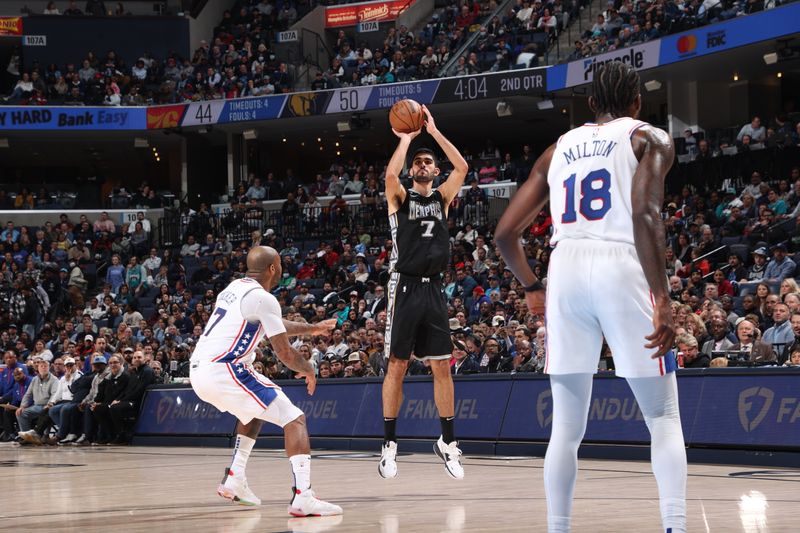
(420,236)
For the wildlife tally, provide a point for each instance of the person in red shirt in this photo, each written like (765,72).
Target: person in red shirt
(308,270)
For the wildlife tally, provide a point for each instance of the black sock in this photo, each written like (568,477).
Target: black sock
(389,430)
(447,429)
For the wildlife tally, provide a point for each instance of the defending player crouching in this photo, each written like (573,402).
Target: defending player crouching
(222,375)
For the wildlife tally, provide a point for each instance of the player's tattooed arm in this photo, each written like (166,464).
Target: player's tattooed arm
(294,329)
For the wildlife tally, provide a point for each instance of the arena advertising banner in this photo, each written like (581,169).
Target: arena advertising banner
(740,31)
(178,411)
(640,57)
(332,411)
(479,409)
(750,409)
(354,14)
(10,26)
(73,118)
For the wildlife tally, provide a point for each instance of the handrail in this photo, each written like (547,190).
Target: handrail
(712,252)
(443,71)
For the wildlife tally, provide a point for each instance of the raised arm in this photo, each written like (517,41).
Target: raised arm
(653,147)
(455,180)
(524,207)
(395,192)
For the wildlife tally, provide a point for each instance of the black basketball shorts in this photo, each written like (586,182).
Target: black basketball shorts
(416,318)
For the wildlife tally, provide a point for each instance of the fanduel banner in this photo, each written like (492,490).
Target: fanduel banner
(745,409)
(353,14)
(73,118)
(640,57)
(178,411)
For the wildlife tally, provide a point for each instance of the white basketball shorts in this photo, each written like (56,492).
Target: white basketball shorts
(243,392)
(596,289)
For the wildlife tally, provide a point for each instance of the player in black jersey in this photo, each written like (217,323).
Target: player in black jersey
(416,318)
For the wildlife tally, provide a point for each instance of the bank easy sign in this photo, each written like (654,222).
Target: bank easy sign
(34,40)
(640,57)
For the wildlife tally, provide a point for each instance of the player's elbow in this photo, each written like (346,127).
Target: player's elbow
(461,167)
(504,236)
(645,217)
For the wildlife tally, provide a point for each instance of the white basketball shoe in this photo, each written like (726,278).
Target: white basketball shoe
(451,455)
(235,489)
(387,468)
(305,503)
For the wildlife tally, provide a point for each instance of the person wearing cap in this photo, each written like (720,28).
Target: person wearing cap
(357,365)
(780,267)
(63,398)
(85,389)
(37,401)
(341,311)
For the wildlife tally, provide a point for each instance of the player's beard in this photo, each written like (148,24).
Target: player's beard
(422,179)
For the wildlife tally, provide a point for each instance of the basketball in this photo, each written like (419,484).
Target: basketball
(406,116)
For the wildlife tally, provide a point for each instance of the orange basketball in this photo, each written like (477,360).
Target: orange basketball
(406,116)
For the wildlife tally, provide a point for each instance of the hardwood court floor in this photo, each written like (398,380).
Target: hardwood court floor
(150,489)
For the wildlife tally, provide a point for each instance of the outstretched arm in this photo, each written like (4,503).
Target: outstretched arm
(524,207)
(455,180)
(656,154)
(294,329)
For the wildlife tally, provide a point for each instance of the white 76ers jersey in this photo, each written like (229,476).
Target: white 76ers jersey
(244,312)
(590,179)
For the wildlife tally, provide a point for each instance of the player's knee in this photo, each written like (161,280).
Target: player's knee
(441,369)
(297,423)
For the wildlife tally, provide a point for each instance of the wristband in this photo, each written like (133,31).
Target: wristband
(535,286)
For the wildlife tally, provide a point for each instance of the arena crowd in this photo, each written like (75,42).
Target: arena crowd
(240,60)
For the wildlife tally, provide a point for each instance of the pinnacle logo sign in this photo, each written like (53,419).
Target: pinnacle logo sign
(544,408)
(750,414)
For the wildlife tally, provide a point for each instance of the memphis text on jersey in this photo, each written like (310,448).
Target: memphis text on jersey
(417,210)
(601,148)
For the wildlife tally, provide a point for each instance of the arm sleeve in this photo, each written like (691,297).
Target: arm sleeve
(260,306)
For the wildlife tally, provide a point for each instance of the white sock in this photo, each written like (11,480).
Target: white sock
(301,468)
(241,452)
(558,524)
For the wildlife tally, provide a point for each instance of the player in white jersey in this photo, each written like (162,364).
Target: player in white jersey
(222,374)
(605,183)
